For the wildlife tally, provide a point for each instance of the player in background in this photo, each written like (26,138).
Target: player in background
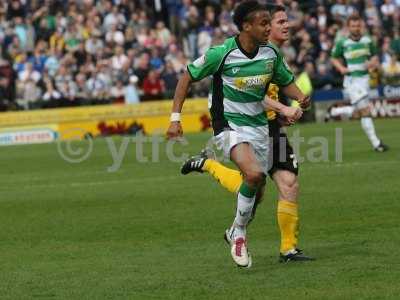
(241,69)
(284,169)
(359,53)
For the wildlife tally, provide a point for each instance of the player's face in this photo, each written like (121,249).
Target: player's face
(279,27)
(259,27)
(355,28)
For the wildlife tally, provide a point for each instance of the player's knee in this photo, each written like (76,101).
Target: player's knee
(294,187)
(290,189)
(260,192)
(365,112)
(254,178)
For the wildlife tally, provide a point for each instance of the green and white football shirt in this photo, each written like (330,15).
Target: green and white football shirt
(355,54)
(239,82)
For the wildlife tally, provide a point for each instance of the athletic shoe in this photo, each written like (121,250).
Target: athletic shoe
(381,147)
(195,163)
(294,255)
(241,256)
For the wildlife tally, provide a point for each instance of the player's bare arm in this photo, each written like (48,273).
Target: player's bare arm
(291,113)
(175,128)
(337,63)
(292,91)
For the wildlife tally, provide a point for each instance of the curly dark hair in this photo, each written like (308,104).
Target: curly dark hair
(244,10)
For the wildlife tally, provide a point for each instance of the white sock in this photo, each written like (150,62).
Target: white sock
(368,125)
(237,231)
(346,111)
(243,214)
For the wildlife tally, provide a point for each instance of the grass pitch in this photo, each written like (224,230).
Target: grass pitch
(78,231)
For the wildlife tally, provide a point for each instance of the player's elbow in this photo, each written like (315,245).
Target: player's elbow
(186,77)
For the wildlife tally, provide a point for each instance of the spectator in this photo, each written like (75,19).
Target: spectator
(388,10)
(62,76)
(156,62)
(163,34)
(21,32)
(218,37)
(119,60)
(324,42)
(15,9)
(131,41)
(39,57)
(115,36)
(386,51)
(80,54)
(6,68)
(117,92)
(340,10)
(113,19)
(322,18)
(4,97)
(29,73)
(204,40)
(72,37)
(51,97)
(295,15)
(43,32)
(191,27)
(395,44)
(7,84)
(57,41)
(142,67)
(93,44)
(82,92)
(97,88)
(172,7)
(289,52)
(69,91)
(391,71)
(153,88)
(29,93)
(170,80)
(20,62)
(131,92)
(371,14)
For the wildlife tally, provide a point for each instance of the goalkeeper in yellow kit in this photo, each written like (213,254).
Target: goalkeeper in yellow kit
(284,169)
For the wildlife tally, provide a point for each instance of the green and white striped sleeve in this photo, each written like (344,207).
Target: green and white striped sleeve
(206,65)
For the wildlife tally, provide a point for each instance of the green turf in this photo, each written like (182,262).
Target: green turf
(77,231)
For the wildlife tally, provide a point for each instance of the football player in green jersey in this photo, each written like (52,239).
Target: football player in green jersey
(241,69)
(284,168)
(359,53)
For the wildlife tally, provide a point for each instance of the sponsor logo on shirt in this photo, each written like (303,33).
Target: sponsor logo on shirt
(356,53)
(235,70)
(251,82)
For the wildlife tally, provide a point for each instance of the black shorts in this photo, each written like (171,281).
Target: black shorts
(283,156)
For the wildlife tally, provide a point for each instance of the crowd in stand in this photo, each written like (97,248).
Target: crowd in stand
(57,53)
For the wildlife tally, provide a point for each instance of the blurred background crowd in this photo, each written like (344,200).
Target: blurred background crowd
(68,53)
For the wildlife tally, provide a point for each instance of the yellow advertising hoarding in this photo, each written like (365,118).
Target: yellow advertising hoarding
(78,122)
